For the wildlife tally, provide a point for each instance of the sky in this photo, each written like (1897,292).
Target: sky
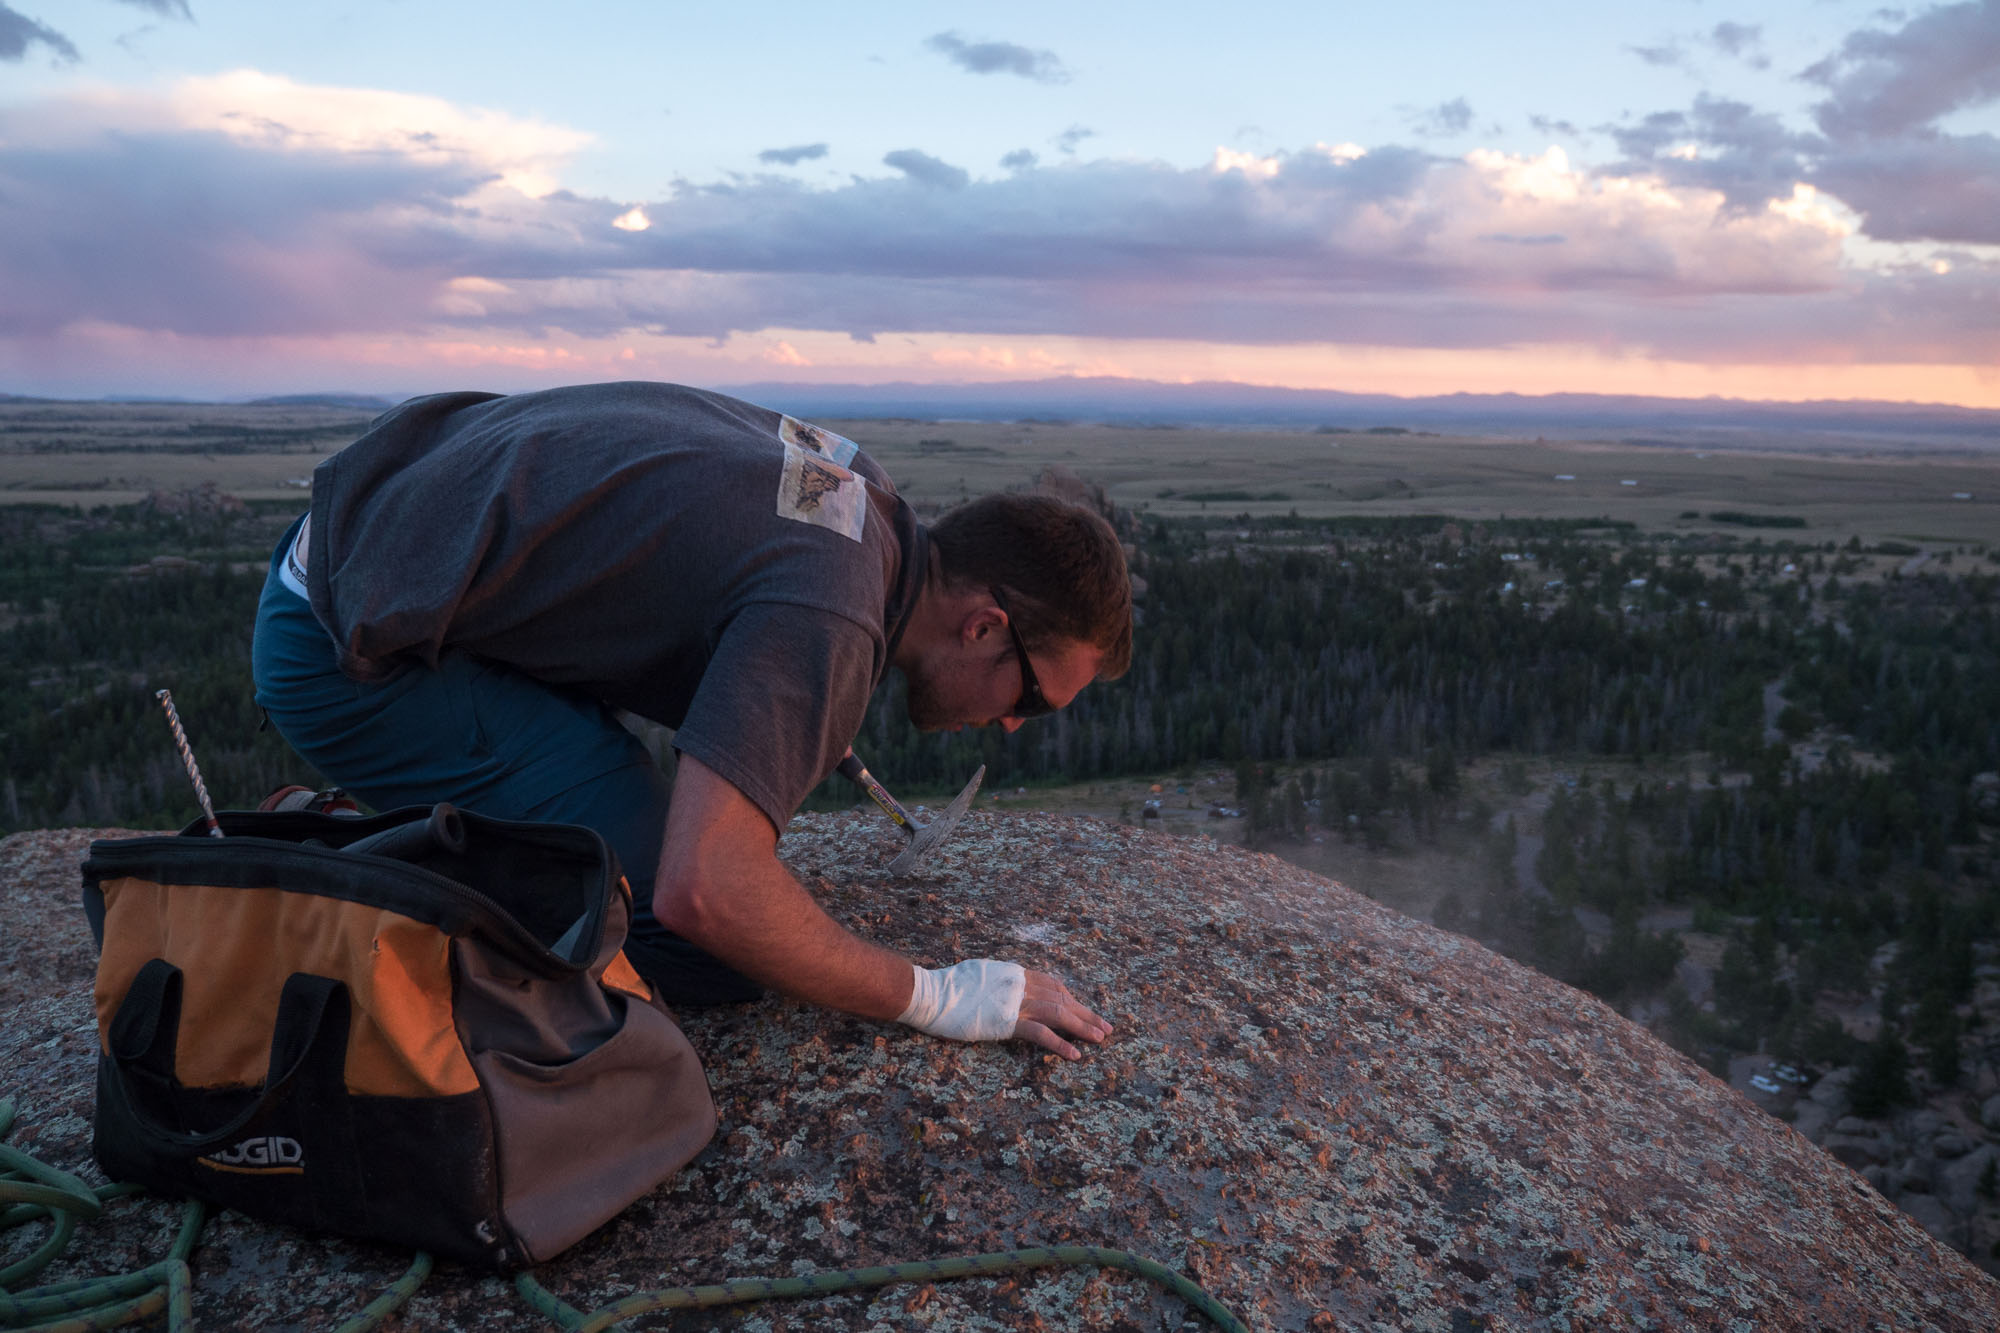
(1778,199)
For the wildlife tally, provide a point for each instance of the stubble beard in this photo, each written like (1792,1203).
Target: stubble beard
(921,702)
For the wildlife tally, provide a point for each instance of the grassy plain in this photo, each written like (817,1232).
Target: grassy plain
(87,454)
(1182,471)
(91,453)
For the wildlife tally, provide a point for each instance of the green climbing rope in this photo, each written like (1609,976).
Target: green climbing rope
(391,1300)
(827,1283)
(35,1191)
(88,1305)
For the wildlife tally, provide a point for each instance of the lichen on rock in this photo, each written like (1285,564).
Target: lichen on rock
(1329,1115)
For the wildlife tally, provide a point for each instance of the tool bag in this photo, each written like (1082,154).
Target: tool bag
(442,1047)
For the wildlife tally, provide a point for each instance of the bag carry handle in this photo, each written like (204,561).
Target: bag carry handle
(310,1035)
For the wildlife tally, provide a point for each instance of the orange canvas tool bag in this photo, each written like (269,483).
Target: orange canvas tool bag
(443,1047)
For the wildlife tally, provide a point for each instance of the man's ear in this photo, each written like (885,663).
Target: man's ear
(981,621)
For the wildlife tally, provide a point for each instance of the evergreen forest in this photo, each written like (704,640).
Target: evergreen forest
(1804,749)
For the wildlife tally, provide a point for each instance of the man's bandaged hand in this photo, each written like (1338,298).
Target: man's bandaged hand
(984,999)
(976,1000)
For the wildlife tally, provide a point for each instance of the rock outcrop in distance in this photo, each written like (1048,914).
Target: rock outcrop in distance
(1331,1116)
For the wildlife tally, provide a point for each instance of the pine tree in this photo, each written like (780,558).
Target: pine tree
(1882,1082)
(1936,1027)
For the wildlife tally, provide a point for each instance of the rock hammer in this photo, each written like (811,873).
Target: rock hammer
(923,837)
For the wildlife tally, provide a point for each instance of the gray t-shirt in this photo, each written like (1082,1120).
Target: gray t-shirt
(733,573)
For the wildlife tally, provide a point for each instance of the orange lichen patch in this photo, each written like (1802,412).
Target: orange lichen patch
(1328,1114)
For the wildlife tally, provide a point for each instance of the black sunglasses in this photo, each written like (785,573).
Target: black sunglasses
(1032,703)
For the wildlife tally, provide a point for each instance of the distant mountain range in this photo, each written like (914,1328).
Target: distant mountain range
(1561,415)
(1626,418)
(367,401)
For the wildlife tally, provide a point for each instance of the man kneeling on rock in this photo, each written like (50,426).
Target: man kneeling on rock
(484,581)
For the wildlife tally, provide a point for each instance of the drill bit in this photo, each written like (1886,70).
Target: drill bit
(166,699)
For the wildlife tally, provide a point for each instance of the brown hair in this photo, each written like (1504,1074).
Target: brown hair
(1061,565)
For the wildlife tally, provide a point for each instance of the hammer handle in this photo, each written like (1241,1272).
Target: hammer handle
(444,831)
(855,771)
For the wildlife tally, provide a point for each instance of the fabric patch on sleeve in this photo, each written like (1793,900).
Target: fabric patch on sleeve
(818,439)
(814,490)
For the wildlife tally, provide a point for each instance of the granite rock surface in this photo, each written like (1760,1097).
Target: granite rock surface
(1329,1115)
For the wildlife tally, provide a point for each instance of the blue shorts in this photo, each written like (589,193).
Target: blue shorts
(489,739)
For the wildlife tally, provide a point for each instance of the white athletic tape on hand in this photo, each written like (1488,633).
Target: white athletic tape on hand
(976,1000)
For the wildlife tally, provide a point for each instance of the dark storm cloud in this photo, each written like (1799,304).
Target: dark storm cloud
(794,155)
(924,169)
(1886,83)
(999,58)
(18,32)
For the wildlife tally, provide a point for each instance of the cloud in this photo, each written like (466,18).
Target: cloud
(1877,148)
(18,32)
(1021,159)
(1719,144)
(794,155)
(1550,125)
(1068,140)
(245,207)
(999,58)
(924,169)
(1885,83)
(246,204)
(164,232)
(1735,39)
(1327,244)
(1885,155)
(1740,41)
(166,9)
(286,116)
(1665,55)
(1444,119)
(1938,188)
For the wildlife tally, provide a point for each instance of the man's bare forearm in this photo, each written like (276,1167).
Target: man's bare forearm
(722,888)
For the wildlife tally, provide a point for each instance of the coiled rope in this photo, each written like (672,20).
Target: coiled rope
(36,1191)
(743,1290)
(88,1305)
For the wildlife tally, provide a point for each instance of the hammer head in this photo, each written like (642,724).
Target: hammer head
(935,832)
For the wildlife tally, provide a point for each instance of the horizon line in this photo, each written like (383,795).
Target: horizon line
(972,388)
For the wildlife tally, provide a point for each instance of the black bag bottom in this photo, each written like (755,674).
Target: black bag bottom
(412,1171)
